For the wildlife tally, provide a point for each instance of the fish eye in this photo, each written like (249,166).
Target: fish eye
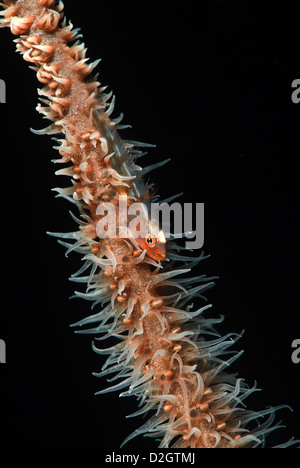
(150,240)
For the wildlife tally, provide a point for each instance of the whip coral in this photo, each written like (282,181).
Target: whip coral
(163,354)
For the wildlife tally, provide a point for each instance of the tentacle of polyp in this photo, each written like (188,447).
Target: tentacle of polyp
(161,354)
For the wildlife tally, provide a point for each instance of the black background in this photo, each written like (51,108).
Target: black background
(209,82)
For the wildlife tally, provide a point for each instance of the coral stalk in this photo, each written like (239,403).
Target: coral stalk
(161,355)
